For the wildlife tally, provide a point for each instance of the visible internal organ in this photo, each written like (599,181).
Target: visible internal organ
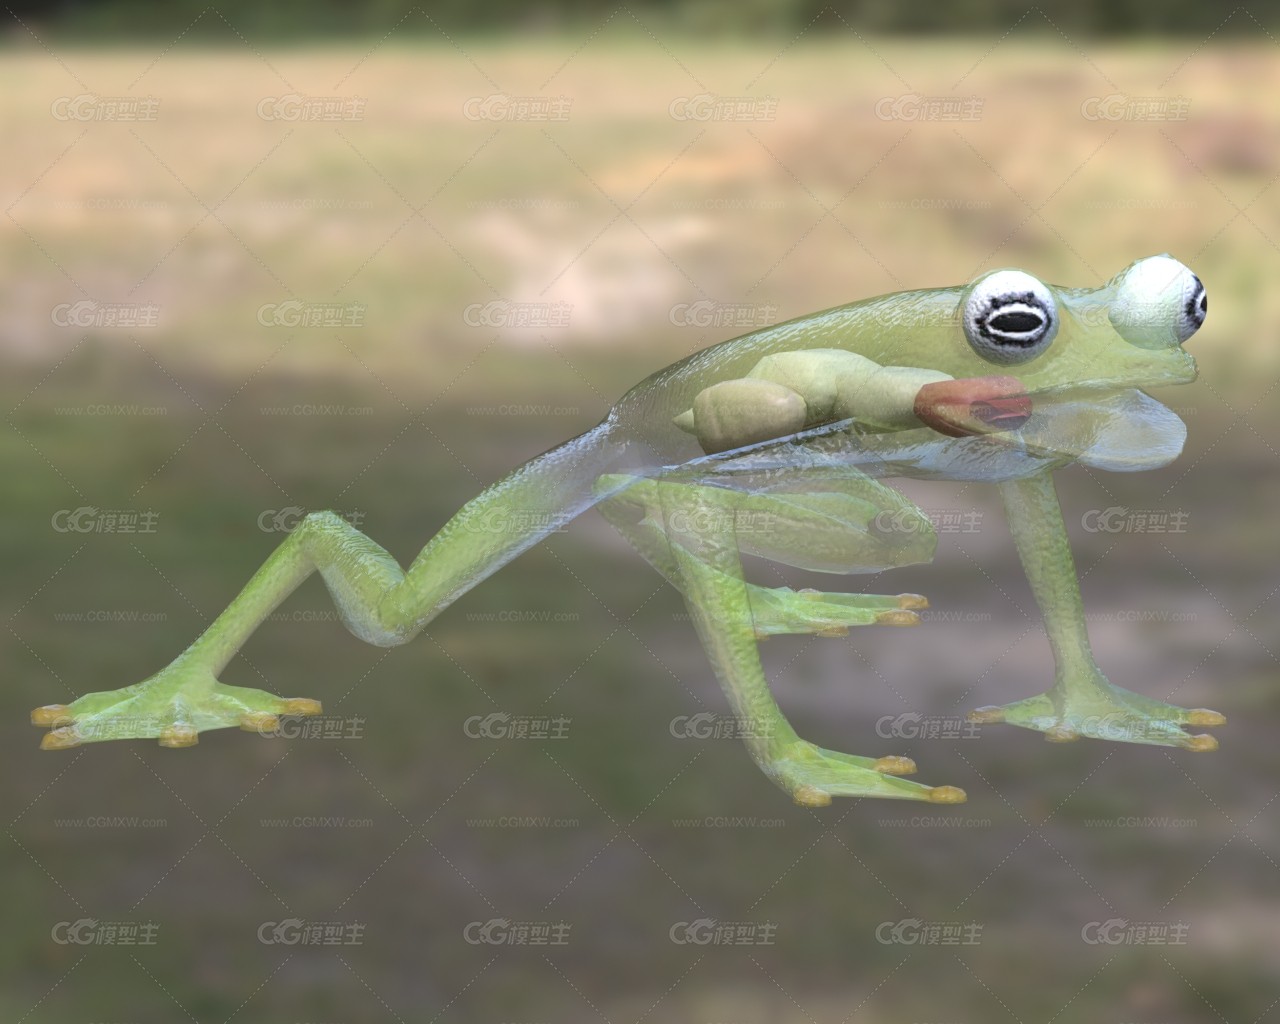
(790,391)
(974,405)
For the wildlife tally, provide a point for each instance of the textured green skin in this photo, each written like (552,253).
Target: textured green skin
(809,501)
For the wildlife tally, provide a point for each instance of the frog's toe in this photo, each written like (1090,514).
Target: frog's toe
(897,617)
(810,796)
(64,737)
(782,610)
(1139,719)
(180,734)
(895,764)
(814,776)
(51,715)
(303,706)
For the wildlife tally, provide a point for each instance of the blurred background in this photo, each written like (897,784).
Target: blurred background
(261,259)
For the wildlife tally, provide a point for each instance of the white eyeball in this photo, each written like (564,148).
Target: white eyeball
(1010,317)
(1158,302)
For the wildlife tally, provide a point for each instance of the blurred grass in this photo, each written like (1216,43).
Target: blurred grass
(623,213)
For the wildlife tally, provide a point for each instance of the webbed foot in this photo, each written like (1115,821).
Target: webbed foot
(813,775)
(174,706)
(1100,710)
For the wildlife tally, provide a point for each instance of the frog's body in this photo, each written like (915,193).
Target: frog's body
(773,444)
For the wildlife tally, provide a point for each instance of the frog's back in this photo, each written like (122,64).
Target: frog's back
(878,328)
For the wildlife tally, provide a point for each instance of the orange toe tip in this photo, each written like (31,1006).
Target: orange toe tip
(176,736)
(51,715)
(811,796)
(895,764)
(300,706)
(1061,734)
(898,617)
(913,601)
(1203,716)
(1202,743)
(985,716)
(947,795)
(60,739)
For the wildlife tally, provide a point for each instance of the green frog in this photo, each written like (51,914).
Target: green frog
(778,444)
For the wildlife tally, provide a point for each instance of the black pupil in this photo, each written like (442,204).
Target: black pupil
(1016,322)
(1196,309)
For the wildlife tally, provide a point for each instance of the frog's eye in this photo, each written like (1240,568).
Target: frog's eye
(1158,302)
(1009,317)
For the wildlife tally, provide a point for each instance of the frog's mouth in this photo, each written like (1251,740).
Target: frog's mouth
(973,405)
(998,404)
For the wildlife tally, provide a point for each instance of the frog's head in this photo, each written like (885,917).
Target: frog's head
(1022,343)
(1126,334)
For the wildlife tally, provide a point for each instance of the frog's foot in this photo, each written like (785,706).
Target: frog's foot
(1103,711)
(813,775)
(782,610)
(174,706)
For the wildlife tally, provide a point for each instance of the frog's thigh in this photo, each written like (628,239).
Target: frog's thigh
(638,513)
(840,522)
(857,525)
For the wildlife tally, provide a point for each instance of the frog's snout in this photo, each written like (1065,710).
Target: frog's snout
(975,405)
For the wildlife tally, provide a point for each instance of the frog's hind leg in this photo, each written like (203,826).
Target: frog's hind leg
(692,534)
(378,601)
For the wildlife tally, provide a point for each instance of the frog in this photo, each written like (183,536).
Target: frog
(778,444)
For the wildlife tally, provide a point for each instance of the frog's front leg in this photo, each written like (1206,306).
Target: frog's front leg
(1082,701)
(693,534)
